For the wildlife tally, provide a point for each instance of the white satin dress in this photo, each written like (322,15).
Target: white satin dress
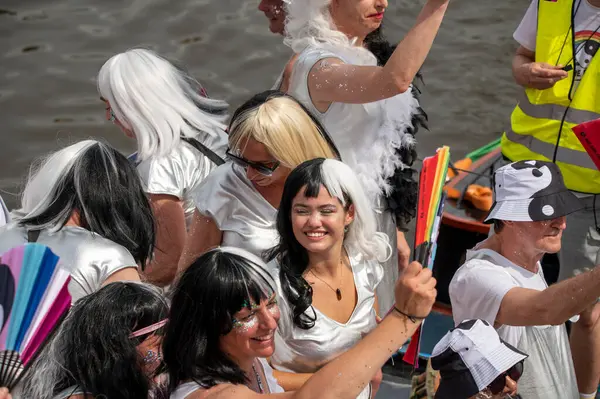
(306,351)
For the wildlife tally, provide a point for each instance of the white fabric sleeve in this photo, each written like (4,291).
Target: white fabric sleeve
(374,274)
(526,32)
(477,290)
(162,176)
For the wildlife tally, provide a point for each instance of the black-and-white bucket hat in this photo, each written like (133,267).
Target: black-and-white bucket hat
(528,191)
(470,357)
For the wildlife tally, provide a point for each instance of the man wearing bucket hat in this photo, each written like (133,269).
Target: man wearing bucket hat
(474,362)
(502,281)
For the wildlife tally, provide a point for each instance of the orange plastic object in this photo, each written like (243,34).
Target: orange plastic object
(481,197)
(462,164)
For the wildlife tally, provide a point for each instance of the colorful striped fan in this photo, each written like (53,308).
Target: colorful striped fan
(34,297)
(430,208)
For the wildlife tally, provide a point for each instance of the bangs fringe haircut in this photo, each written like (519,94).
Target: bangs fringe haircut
(100,186)
(362,235)
(285,127)
(92,351)
(158,101)
(204,301)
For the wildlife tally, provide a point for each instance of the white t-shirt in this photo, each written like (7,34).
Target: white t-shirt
(476,292)
(587,33)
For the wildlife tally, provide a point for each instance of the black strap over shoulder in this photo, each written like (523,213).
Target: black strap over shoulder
(207,152)
(33,235)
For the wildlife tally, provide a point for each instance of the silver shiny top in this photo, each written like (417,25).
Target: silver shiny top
(246,219)
(183,390)
(90,258)
(306,351)
(181,172)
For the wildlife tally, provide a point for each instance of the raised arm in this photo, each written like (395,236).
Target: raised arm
(331,80)
(202,236)
(553,306)
(347,375)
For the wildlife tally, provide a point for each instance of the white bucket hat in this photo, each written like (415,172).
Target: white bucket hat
(470,357)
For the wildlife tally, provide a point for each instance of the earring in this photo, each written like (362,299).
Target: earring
(345,229)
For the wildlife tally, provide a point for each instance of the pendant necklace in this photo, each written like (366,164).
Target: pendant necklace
(258,380)
(338,291)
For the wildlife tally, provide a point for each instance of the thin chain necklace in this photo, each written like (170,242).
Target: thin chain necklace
(258,380)
(338,291)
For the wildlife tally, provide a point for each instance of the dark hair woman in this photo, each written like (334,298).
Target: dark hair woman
(108,347)
(327,266)
(222,326)
(87,204)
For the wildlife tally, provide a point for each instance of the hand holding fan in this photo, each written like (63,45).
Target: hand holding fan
(34,297)
(430,207)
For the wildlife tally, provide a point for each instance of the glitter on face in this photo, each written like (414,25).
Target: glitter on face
(251,321)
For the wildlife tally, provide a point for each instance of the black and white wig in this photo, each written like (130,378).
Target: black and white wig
(92,351)
(204,301)
(158,101)
(362,235)
(100,187)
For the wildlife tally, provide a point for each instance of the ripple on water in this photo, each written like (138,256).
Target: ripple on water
(259,55)
(65,120)
(28,49)
(4,11)
(87,56)
(6,94)
(191,40)
(95,30)
(74,101)
(35,15)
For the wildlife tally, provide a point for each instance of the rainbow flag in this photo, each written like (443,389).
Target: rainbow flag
(430,207)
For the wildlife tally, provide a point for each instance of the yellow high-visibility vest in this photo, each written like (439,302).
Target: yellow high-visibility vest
(542,120)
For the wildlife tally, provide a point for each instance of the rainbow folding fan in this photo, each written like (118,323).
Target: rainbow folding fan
(34,298)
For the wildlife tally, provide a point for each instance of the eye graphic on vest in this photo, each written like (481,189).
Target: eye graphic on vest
(7,294)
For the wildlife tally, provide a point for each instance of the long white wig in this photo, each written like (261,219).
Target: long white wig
(309,23)
(158,102)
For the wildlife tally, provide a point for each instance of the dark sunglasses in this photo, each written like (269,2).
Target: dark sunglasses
(515,372)
(260,167)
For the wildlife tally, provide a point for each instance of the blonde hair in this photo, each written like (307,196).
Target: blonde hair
(283,126)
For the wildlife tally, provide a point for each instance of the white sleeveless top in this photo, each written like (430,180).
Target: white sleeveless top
(181,172)
(244,216)
(306,351)
(183,390)
(382,123)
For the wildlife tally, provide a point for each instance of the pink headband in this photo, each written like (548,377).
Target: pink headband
(148,329)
